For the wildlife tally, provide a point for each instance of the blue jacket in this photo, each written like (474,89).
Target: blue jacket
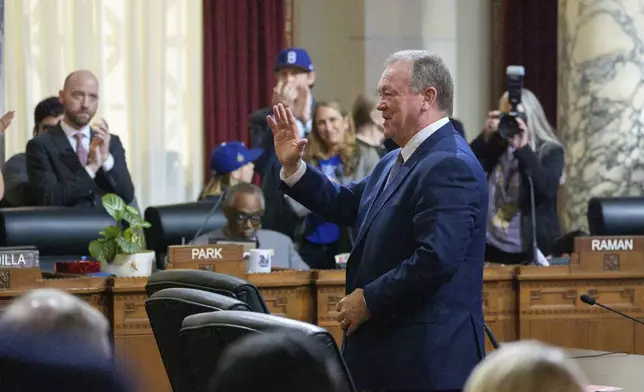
(419,256)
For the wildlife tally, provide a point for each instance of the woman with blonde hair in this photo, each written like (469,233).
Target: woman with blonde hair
(531,155)
(332,148)
(526,366)
(230,163)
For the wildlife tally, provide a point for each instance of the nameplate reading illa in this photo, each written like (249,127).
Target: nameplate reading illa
(15,257)
(178,254)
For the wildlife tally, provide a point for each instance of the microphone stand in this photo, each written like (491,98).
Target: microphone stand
(533,211)
(588,300)
(209,215)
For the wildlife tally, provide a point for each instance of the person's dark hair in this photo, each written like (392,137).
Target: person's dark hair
(273,362)
(48,107)
(242,187)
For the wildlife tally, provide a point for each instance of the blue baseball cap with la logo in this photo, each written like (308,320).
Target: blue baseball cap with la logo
(294,58)
(230,156)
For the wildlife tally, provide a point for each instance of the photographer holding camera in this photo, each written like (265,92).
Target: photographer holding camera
(524,162)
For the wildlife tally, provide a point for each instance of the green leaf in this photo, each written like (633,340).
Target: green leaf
(146,225)
(114,205)
(128,247)
(103,249)
(111,232)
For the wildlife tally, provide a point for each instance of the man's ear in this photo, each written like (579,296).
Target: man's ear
(429,98)
(310,80)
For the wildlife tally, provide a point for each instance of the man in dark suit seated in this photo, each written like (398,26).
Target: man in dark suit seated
(413,313)
(74,164)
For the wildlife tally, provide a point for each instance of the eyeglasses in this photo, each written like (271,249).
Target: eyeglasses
(242,218)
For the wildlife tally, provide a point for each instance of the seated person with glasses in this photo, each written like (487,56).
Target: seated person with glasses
(243,206)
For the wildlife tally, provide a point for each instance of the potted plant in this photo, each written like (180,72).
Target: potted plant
(122,251)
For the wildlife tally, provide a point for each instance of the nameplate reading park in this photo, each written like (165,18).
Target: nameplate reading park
(223,258)
(18,258)
(615,253)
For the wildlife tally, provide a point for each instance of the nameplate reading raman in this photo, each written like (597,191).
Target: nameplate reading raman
(19,258)
(611,244)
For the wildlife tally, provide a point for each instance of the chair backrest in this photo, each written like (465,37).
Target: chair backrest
(616,216)
(169,224)
(55,231)
(209,281)
(207,335)
(166,310)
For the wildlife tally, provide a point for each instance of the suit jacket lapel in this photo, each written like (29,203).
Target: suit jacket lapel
(66,153)
(406,168)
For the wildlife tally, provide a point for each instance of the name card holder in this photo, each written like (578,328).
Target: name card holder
(19,268)
(604,254)
(225,259)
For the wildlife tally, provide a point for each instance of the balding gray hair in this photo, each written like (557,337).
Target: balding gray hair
(55,311)
(242,187)
(428,70)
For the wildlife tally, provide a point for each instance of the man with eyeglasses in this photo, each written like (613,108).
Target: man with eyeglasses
(243,205)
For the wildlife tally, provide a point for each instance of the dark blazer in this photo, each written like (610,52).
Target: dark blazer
(545,166)
(418,255)
(261,136)
(17,192)
(58,179)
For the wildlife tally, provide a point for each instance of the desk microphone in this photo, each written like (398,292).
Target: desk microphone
(587,299)
(210,214)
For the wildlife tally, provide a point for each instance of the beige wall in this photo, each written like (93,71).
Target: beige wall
(350,39)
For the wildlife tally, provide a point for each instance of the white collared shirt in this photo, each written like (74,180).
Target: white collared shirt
(420,137)
(70,132)
(406,151)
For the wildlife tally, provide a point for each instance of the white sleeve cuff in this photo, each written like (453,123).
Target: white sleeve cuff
(292,180)
(109,163)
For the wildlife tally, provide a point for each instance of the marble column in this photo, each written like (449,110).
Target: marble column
(600,102)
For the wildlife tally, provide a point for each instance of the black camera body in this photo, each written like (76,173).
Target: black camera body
(508,125)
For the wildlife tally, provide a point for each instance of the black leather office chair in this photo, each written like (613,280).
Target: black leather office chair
(166,310)
(207,335)
(214,282)
(57,232)
(616,216)
(169,224)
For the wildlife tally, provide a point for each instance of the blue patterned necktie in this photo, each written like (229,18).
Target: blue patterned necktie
(394,169)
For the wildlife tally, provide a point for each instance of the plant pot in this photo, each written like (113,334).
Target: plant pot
(137,264)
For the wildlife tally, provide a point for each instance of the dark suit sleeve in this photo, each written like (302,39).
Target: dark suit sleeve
(333,202)
(545,173)
(48,190)
(448,207)
(119,177)
(16,181)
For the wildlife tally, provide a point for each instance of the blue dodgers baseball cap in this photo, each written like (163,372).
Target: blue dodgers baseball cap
(230,156)
(294,58)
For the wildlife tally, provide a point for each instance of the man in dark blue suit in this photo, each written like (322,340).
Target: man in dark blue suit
(413,314)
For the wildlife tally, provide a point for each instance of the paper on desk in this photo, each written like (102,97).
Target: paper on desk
(601,388)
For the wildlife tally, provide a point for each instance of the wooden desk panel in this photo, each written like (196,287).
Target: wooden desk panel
(330,289)
(499,303)
(287,293)
(134,342)
(550,309)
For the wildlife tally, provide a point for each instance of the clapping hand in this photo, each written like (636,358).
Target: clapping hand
(102,132)
(289,147)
